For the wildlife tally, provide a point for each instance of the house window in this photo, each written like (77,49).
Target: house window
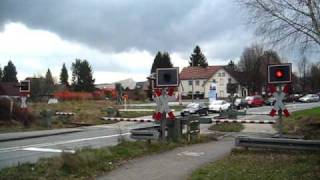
(197,82)
(214,81)
(190,83)
(223,74)
(229,80)
(219,74)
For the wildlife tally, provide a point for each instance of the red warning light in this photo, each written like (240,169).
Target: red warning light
(279,74)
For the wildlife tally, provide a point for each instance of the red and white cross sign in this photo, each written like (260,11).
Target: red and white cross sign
(162,100)
(279,96)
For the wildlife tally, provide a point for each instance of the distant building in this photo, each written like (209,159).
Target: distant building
(203,77)
(105,86)
(9,89)
(144,85)
(126,83)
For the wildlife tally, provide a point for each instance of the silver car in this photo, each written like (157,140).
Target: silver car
(309,98)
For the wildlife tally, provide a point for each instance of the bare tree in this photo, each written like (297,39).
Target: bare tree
(253,64)
(315,77)
(286,21)
(303,70)
(268,57)
(249,64)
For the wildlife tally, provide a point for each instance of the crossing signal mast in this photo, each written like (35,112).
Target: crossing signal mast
(279,79)
(25,90)
(166,80)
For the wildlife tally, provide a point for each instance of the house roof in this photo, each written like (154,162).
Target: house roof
(9,89)
(198,72)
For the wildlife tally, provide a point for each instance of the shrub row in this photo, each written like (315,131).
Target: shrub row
(68,95)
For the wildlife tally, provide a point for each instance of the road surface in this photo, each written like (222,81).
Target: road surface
(31,149)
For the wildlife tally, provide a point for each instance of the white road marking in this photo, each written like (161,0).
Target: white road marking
(3,150)
(48,150)
(194,154)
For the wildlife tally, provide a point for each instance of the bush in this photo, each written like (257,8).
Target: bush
(138,95)
(17,114)
(98,95)
(68,95)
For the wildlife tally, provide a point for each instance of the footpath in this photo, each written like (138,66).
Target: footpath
(179,163)
(173,165)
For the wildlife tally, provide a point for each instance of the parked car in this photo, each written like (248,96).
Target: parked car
(292,98)
(195,108)
(254,101)
(309,98)
(218,105)
(270,101)
(240,103)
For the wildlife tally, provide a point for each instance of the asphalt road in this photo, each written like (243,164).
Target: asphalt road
(30,150)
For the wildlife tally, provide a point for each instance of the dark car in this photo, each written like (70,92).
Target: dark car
(254,101)
(292,98)
(195,108)
(240,103)
(270,101)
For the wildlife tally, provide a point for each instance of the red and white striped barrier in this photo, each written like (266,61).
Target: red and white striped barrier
(244,121)
(65,113)
(127,119)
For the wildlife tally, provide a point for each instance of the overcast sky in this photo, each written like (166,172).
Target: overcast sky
(118,37)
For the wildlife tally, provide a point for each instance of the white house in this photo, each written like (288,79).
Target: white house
(203,77)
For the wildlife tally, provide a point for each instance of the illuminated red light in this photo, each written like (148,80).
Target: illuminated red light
(279,74)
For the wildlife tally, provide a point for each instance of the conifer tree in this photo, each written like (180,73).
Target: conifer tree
(64,76)
(82,79)
(9,73)
(197,58)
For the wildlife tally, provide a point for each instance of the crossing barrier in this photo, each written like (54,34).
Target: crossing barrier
(244,121)
(127,119)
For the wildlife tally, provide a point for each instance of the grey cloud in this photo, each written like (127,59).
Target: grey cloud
(119,25)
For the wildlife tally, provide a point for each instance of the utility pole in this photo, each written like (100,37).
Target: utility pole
(192,97)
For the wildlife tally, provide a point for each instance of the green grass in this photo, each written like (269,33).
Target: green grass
(87,112)
(227,127)
(305,123)
(88,163)
(262,165)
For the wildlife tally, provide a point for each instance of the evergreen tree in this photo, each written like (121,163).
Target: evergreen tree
(162,60)
(9,73)
(82,79)
(0,74)
(38,88)
(64,75)
(231,66)
(49,78)
(49,83)
(197,58)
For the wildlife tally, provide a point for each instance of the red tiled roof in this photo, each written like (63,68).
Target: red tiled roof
(9,89)
(198,72)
